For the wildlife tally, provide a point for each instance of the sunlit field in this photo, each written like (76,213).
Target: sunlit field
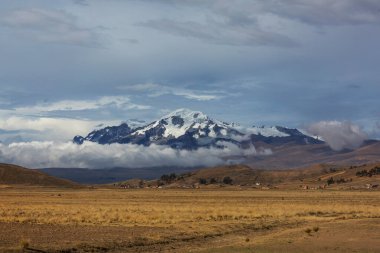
(147,218)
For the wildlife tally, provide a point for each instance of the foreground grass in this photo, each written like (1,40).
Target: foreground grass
(176,207)
(187,213)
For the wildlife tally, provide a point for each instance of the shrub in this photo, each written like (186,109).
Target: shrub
(165,178)
(315,229)
(213,181)
(341,181)
(308,231)
(172,176)
(25,243)
(168,178)
(330,181)
(227,180)
(202,181)
(370,173)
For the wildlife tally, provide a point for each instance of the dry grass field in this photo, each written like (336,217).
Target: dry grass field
(188,220)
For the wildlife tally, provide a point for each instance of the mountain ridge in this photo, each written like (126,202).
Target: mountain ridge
(186,129)
(16,175)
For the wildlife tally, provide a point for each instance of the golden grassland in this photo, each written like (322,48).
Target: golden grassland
(186,212)
(175,207)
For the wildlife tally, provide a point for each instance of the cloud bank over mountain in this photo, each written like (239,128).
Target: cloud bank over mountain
(96,156)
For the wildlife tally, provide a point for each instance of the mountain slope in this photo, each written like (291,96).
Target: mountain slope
(295,156)
(16,175)
(315,176)
(185,129)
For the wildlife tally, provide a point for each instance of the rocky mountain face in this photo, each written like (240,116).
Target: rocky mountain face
(185,129)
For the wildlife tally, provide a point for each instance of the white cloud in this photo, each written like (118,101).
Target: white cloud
(45,25)
(119,102)
(34,122)
(156,90)
(43,128)
(93,155)
(338,135)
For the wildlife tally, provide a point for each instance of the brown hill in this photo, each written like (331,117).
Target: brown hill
(316,176)
(298,156)
(16,175)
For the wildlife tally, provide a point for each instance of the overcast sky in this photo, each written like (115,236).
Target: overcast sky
(67,66)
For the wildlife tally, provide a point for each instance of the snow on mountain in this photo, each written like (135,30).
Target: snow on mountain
(181,121)
(265,131)
(105,135)
(186,129)
(303,131)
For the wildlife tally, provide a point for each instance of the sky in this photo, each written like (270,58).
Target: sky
(67,66)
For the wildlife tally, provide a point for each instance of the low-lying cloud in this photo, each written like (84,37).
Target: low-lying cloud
(339,135)
(96,156)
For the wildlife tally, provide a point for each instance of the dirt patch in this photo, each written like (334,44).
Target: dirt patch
(336,236)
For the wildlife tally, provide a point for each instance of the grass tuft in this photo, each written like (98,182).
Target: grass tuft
(24,243)
(308,231)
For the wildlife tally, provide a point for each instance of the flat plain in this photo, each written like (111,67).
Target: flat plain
(230,219)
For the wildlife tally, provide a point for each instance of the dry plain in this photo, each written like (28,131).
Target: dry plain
(36,219)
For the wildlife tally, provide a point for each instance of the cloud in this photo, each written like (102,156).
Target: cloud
(338,135)
(120,102)
(374,131)
(157,90)
(93,155)
(261,23)
(57,120)
(81,2)
(51,26)
(43,128)
(221,32)
(327,12)
(313,12)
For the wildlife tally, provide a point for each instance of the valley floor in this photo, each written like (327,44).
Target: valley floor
(197,220)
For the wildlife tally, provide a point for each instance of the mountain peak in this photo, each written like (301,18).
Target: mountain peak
(187,129)
(187,115)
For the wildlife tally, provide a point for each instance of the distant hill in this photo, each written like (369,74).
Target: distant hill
(289,156)
(105,176)
(16,175)
(316,176)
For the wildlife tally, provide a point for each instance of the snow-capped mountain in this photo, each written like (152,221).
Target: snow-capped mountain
(105,135)
(186,129)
